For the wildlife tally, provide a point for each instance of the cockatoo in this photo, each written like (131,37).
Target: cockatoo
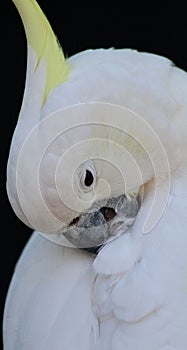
(98,169)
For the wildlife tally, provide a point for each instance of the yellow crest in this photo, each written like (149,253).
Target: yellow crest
(43,41)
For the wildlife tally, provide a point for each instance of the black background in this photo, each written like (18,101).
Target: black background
(78,27)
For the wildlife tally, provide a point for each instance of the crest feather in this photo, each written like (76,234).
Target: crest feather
(43,41)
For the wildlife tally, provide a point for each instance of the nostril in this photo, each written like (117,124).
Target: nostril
(108,213)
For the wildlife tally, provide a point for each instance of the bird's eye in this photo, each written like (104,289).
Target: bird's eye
(88,180)
(87,176)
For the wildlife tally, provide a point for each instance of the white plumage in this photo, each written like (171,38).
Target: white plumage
(132,295)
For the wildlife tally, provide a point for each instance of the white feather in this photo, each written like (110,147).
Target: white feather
(54,285)
(145,307)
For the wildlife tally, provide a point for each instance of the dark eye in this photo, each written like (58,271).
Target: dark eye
(88,180)
(87,176)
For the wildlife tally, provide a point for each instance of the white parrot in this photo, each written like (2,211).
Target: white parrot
(98,168)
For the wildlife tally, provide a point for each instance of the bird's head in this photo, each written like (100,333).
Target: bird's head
(84,146)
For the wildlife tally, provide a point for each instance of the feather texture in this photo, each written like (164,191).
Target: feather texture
(54,284)
(145,305)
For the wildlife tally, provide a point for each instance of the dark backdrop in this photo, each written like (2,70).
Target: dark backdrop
(158,30)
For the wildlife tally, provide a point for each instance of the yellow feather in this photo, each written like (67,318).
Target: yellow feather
(43,41)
